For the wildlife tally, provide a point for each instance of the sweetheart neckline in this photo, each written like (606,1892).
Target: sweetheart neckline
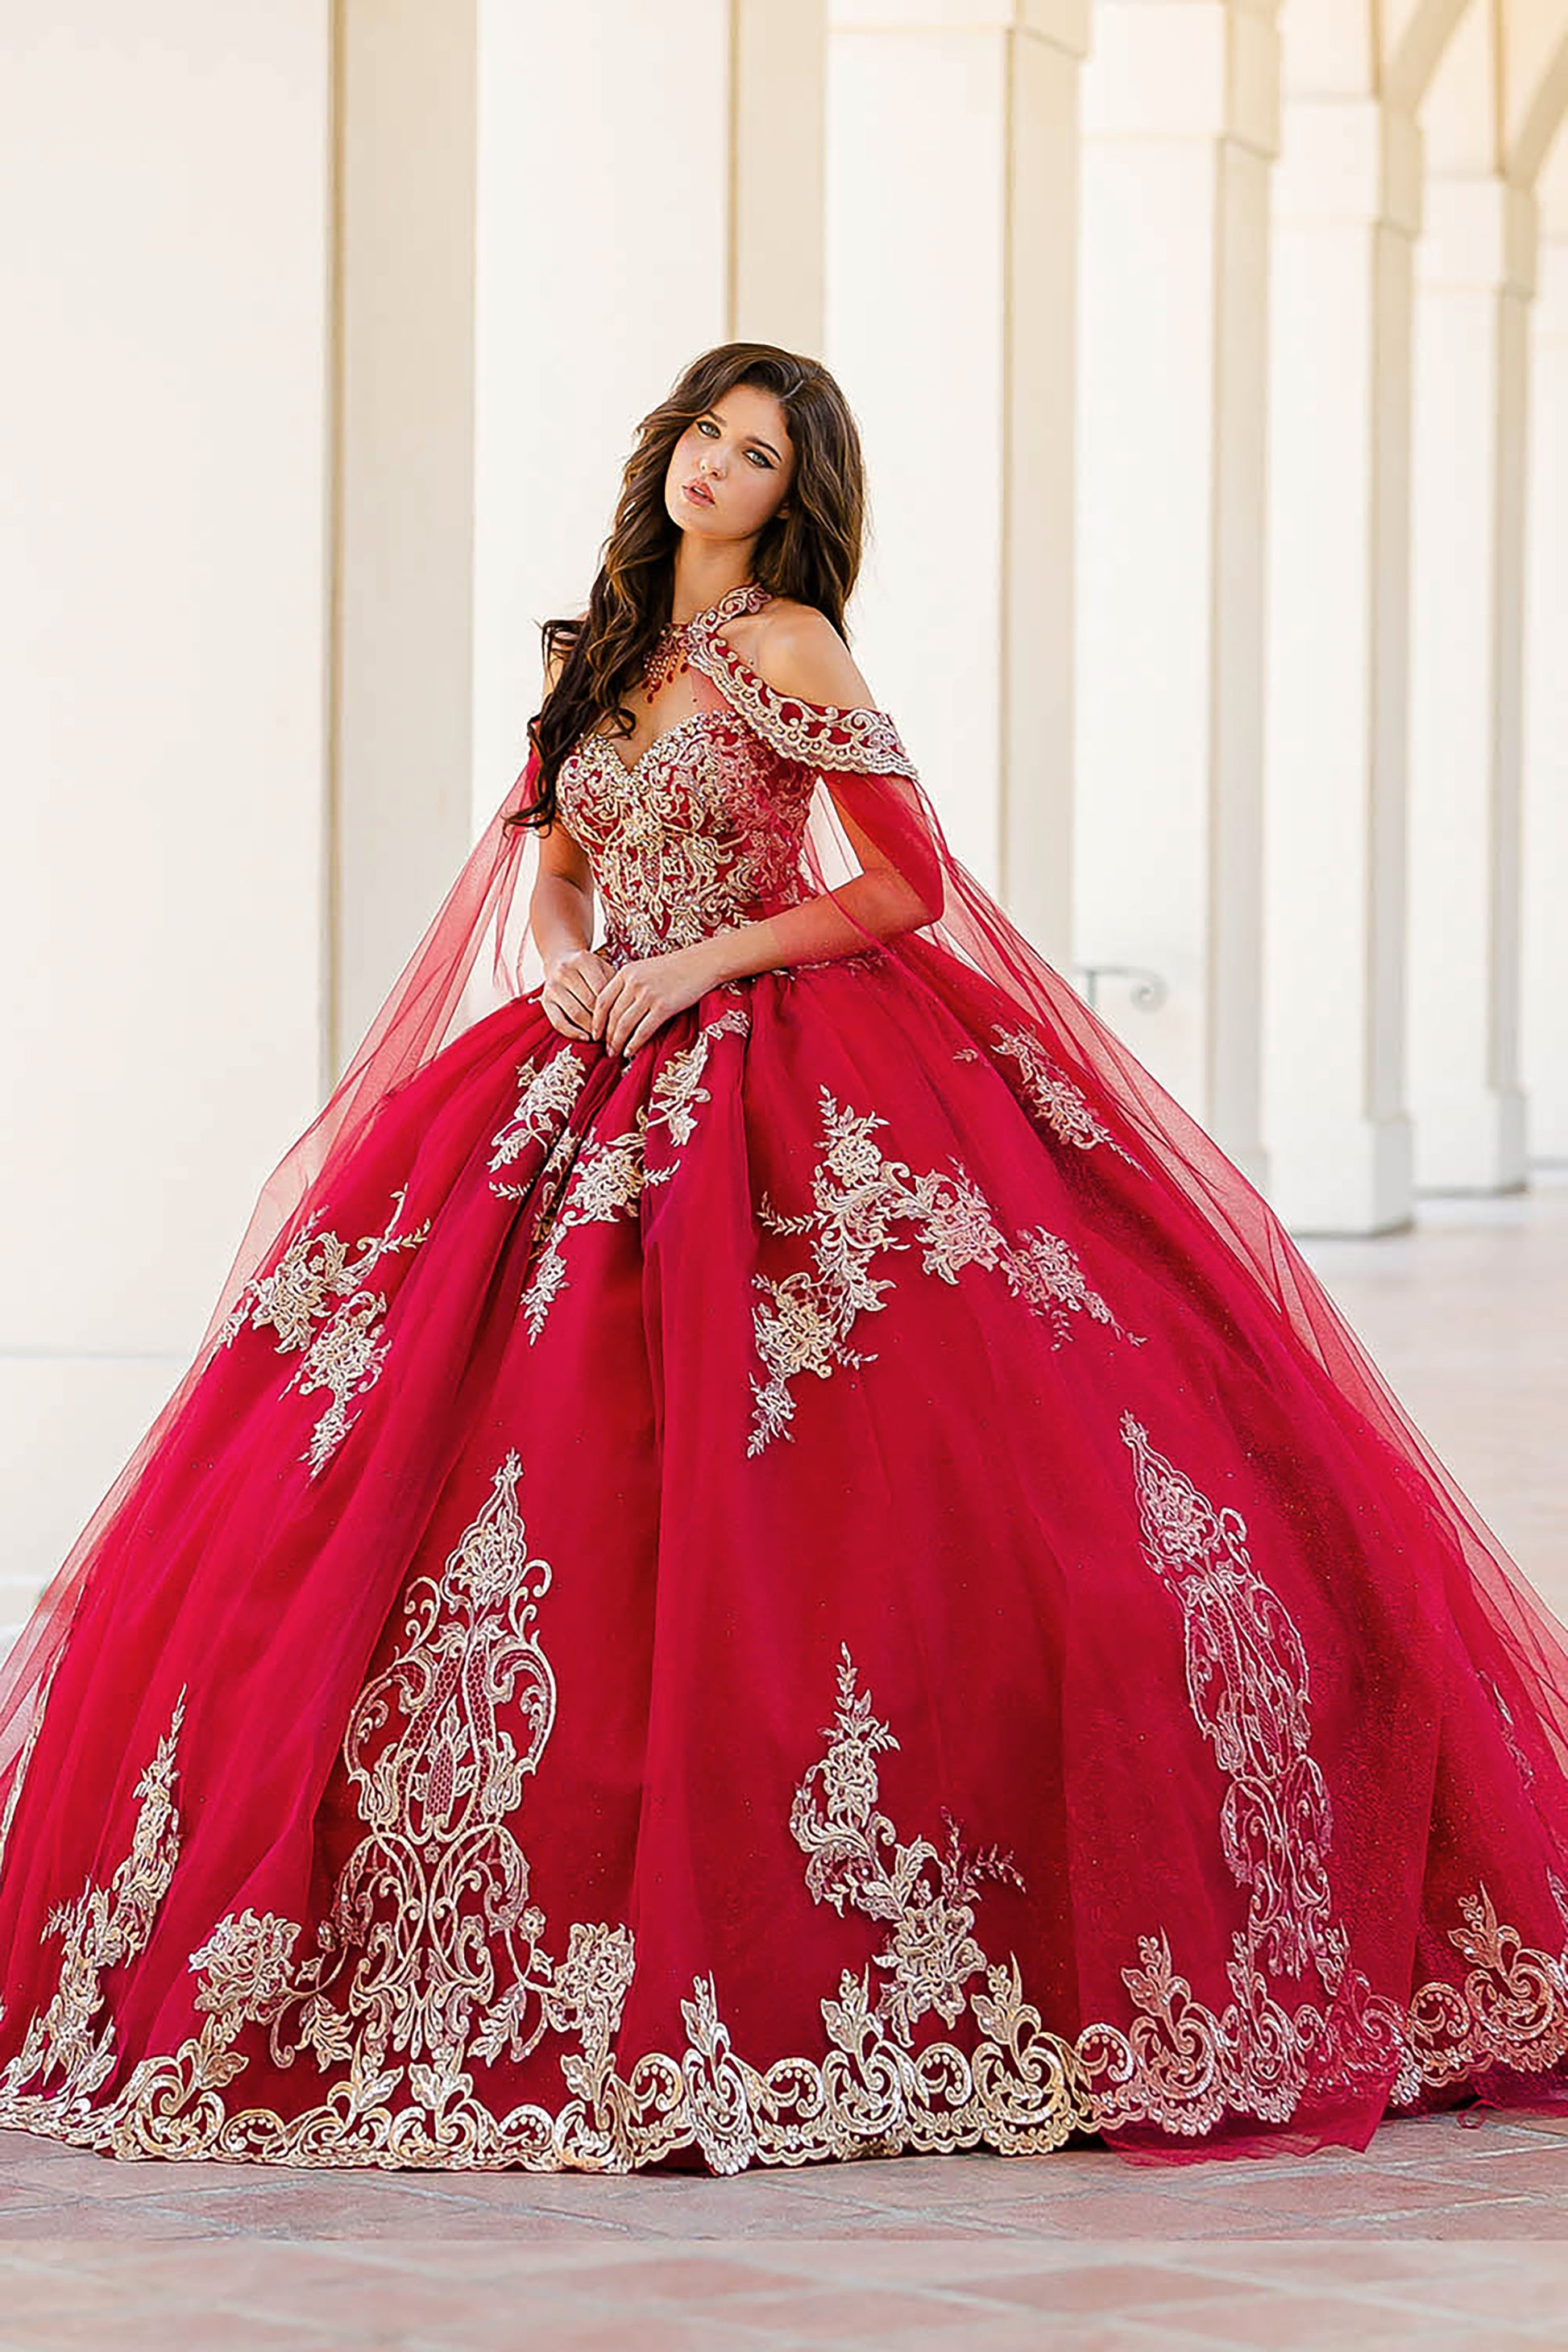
(628,768)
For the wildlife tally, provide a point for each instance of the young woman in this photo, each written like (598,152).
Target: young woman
(770,1557)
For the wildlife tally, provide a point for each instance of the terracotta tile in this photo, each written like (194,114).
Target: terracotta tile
(1482,2219)
(1540,2169)
(1020,2335)
(1124,2213)
(110,2182)
(705,2278)
(1113,2286)
(163,2331)
(1283,2320)
(1330,2263)
(89,2218)
(1373,2191)
(55,2292)
(626,2331)
(851,2311)
(1511,2295)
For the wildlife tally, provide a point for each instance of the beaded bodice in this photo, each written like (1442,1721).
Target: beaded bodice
(707,829)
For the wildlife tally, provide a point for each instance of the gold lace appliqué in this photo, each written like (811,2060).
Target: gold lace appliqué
(816,735)
(1249,1684)
(703,832)
(859,1199)
(853,1856)
(547,1094)
(68,2052)
(603,1178)
(317,1301)
(1053,1098)
(432,1957)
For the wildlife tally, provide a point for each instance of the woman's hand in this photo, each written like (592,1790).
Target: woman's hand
(571,990)
(641,997)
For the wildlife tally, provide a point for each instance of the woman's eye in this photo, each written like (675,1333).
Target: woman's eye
(765,463)
(705,426)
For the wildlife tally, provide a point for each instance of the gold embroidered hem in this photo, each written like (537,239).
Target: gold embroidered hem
(434,1958)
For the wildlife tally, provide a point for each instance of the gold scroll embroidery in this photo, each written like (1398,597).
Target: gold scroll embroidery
(678,1088)
(853,1856)
(858,1200)
(432,1959)
(1249,1684)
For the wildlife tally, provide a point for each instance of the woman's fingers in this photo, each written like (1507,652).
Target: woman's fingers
(648,1026)
(628,1013)
(604,1004)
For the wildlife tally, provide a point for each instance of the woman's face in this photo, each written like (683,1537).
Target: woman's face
(730,471)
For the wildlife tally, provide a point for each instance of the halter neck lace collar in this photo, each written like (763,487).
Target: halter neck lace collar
(749,597)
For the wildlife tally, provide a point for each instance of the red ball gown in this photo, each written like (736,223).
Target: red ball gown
(834,1588)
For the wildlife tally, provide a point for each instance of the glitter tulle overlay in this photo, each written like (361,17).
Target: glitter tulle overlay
(835,1588)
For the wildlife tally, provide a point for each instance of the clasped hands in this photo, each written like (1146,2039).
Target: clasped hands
(585,997)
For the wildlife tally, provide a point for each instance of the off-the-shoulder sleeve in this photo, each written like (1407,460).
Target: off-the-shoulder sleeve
(817,734)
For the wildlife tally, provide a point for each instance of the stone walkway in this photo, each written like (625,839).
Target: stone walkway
(1449,2232)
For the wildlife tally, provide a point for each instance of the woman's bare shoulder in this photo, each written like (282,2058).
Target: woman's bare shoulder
(798,651)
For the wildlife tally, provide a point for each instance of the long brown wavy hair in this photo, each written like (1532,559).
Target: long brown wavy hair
(810,552)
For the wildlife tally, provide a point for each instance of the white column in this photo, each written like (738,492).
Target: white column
(777,255)
(952,183)
(613,246)
(1180,107)
(1545,864)
(163,409)
(527,258)
(405,503)
(1475,275)
(1347,198)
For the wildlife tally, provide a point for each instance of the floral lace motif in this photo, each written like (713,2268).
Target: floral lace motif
(853,1856)
(548,1093)
(859,1199)
(433,1960)
(594,1181)
(1052,1096)
(66,2044)
(317,1301)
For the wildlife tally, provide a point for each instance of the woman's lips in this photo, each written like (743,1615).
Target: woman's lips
(699,493)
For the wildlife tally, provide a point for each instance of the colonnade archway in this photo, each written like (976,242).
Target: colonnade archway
(1193,344)
(1191,340)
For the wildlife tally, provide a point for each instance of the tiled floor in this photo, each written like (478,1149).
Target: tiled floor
(1448,2232)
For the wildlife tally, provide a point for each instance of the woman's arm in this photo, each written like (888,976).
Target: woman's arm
(561,916)
(560,911)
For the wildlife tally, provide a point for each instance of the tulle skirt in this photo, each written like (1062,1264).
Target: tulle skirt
(787,1599)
